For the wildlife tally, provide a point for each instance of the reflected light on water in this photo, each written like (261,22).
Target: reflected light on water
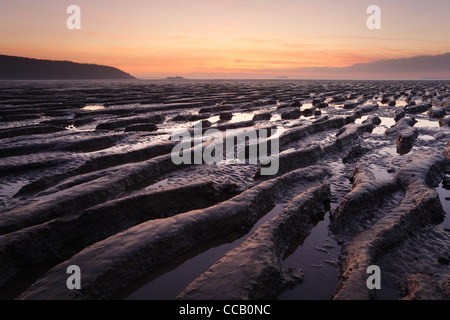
(93,107)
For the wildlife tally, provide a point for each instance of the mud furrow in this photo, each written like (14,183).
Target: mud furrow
(297,158)
(60,238)
(98,163)
(84,195)
(419,207)
(260,274)
(136,253)
(368,194)
(121,123)
(28,131)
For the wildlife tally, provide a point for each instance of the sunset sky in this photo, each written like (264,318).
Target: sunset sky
(224,39)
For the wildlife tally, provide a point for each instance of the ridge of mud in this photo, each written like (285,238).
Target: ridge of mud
(419,207)
(60,238)
(149,244)
(260,274)
(84,195)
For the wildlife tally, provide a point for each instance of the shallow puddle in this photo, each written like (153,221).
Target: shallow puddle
(93,107)
(380,129)
(306,106)
(317,258)
(426,123)
(317,255)
(380,172)
(8,189)
(444,195)
(401,103)
(81,129)
(173,279)
(426,137)
(239,117)
(214,119)
(387,122)
(161,184)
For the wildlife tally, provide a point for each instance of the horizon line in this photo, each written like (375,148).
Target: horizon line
(288,79)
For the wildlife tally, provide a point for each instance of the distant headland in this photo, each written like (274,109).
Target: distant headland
(175,78)
(19,68)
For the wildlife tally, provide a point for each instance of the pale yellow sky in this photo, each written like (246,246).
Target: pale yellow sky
(233,38)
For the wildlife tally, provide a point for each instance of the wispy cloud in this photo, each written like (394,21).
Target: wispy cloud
(258,40)
(417,67)
(415,14)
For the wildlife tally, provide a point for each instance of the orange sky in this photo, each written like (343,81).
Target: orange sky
(223,39)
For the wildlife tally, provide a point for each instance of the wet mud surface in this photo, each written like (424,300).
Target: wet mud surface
(87,179)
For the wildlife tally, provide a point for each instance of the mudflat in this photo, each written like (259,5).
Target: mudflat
(87,179)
